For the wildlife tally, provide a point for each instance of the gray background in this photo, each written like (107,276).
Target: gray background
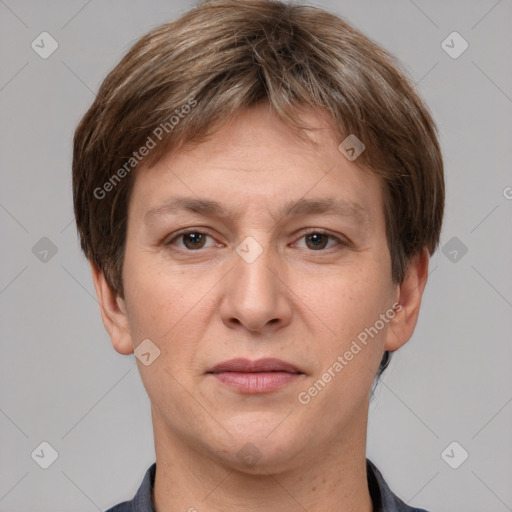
(62,382)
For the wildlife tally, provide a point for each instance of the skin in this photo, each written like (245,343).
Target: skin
(295,302)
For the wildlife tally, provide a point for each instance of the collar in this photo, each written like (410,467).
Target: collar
(382,497)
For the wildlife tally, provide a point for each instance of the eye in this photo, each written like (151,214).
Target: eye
(318,240)
(191,240)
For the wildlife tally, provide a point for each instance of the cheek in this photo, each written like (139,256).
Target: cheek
(348,301)
(169,315)
(170,309)
(155,299)
(350,351)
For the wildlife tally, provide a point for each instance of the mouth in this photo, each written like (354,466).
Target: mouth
(252,377)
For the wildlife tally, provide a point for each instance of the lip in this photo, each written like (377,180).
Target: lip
(252,377)
(260,365)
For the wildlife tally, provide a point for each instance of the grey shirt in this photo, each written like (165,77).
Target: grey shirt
(383,499)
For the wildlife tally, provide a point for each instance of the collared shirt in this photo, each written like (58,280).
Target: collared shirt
(382,498)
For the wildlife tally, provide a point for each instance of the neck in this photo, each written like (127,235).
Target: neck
(327,479)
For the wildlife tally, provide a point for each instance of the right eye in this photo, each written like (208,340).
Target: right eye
(191,240)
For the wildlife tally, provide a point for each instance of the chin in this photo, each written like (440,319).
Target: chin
(262,448)
(256,459)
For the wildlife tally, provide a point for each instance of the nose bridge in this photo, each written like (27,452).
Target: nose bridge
(255,276)
(254,296)
(251,273)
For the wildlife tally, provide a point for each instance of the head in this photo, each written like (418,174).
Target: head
(227,125)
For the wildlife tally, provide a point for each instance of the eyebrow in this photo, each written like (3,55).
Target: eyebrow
(330,205)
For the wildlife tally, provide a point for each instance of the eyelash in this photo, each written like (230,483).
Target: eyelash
(311,231)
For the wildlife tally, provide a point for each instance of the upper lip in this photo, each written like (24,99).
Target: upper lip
(260,365)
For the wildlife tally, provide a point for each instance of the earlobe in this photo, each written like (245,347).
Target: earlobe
(411,290)
(113,313)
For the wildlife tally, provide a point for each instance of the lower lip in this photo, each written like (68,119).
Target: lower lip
(258,382)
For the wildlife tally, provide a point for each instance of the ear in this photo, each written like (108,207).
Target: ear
(113,313)
(409,295)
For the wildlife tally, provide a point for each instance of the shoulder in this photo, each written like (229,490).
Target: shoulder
(384,500)
(126,506)
(143,499)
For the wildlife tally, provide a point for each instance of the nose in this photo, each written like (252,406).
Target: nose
(255,295)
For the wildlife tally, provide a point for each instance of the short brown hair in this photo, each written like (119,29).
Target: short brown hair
(228,55)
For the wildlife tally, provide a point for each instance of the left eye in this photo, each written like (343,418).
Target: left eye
(317,241)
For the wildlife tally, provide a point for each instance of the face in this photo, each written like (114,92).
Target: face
(260,247)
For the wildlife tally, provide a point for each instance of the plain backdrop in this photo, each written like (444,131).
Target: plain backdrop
(62,383)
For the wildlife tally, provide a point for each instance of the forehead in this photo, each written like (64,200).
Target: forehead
(258,158)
